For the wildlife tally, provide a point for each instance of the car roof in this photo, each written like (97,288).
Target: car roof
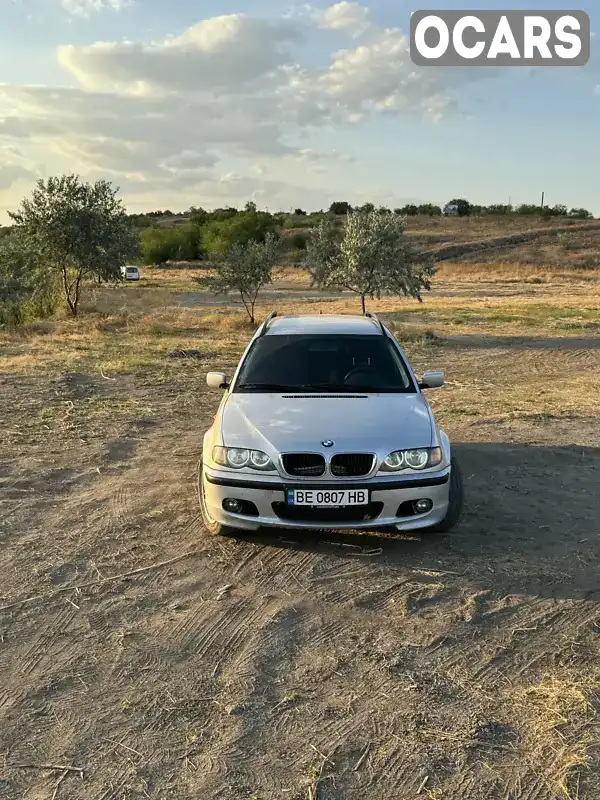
(323,324)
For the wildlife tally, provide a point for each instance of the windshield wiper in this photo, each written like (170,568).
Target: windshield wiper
(266,387)
(337,387)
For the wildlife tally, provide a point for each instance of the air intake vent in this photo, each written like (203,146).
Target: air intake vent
(325,397)
(328,516)
(351,465)
(304,464)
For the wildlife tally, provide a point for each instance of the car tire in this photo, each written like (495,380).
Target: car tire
(455,506)
(212,526)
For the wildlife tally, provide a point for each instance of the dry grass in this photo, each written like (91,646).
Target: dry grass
(138,328)
(511,272)
(467,272)
(557,721)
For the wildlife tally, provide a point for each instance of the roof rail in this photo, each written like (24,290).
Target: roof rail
(376,319)
(265,325)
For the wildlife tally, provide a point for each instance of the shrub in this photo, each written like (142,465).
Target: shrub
(219,237)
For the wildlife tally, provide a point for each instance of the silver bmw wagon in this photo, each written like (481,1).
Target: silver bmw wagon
(324,425)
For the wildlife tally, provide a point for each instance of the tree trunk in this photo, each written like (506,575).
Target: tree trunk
(249,311)
(364,307)
(77,292)
(67,291)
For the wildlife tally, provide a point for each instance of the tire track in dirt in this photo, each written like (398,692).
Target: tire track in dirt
(520,653)
(43,647)
(120,504)
(491,633)
(220,630)
(339,570)
(281,566)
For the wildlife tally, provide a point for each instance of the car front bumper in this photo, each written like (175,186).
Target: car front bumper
(268,494)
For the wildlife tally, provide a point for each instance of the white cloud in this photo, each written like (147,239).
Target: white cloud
(346,16)
(226,53)
(83,8)
(229,93)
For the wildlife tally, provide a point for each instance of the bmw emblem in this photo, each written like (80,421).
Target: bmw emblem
(327,443)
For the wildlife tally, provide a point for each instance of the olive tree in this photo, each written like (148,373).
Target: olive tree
(370,257)
(246,269)
(27,290)
(77,231)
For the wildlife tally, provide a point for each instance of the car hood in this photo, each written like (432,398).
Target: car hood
(373,423)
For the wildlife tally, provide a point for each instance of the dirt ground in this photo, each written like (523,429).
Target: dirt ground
(139,657)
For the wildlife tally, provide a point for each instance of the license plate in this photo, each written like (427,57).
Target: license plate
(328,498)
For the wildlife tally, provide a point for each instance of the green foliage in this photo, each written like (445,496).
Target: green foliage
(429,210)
(183,243)
(409,210)
(220,236)
(27,291)
(300,241)
(528,210)
(555,211)
(150,218)
(76,230)
(412,210)
(367,208)
(198,215)
(464,207)
(498,209)
(223,213)
(245,268)
(580,213)
(340,207)
(370,258)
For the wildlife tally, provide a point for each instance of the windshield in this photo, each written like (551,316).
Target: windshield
(324,363)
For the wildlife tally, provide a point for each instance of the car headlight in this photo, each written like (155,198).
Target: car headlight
(424,458)
(239,457)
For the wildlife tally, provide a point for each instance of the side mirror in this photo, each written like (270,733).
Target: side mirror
(432,380)
(217,380)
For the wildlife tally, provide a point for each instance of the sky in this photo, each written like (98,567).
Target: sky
(204,103)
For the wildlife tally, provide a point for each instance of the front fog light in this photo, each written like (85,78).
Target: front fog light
(423,506)
(232,505)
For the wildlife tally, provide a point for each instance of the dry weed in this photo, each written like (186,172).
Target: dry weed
(558,724)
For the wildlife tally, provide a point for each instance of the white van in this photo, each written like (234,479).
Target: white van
(130,273)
